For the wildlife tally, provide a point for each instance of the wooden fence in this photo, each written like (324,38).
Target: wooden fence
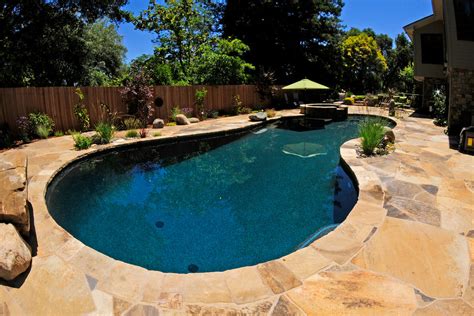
(58,102)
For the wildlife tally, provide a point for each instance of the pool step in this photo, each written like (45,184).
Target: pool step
(318,234)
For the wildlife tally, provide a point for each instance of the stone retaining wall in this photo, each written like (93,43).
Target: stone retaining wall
(461,99)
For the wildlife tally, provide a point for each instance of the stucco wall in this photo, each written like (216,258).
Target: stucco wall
(427,70)
(460,53)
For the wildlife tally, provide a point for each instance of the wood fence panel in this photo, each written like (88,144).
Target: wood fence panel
(58,102)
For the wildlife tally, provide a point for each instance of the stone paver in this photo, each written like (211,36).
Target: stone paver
(402,250)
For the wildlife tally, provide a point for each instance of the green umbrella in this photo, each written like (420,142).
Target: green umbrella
(305,84)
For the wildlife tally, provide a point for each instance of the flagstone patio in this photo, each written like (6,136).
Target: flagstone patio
(407,247)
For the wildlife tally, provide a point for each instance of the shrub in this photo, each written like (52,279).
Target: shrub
(105,132)
(371,132)
(236,105)
(80,111)
(43,131)
(199,97)
(58,133)
(81,141)
(348,101)
(174,112)
(131,134)
(440,108)
(132,123)
(25,128)
(143,133)
(270,112)
(188,112)
(138,95)
(41,119)
(245,110)
(6,139)
(156,134)
(213,114)
(359,98)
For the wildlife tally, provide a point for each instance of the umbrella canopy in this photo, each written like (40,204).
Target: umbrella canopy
(305,84)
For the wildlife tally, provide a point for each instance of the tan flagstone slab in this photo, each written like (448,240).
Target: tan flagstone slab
(277,277)
(54,288)
(353,293)
(305,262)
(446,307)
(246,285)
(206,288)
(285,307)
(434,260)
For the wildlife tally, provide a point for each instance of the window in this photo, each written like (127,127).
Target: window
(432,49)
(464,10)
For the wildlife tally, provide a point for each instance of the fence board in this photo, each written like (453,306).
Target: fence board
(58,102)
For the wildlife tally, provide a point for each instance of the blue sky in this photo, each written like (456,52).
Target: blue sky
(384,16)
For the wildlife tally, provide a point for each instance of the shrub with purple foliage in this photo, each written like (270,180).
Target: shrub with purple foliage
(188,112)
(138,95)
(25,128)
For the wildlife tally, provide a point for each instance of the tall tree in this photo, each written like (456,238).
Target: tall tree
(43,41)
(291,39)
(402,57)
(364,63)
(105,53)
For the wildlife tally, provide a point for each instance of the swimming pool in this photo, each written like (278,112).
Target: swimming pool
(210,204)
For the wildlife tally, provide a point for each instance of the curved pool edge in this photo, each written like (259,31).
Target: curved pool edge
(241,285)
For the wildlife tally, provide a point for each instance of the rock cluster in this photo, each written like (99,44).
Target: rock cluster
(15,254)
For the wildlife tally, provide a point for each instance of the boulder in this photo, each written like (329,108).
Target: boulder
(194,120)
(389,135)
(181,119)
(158,123)
(257,117)
(13,191)
(15,254)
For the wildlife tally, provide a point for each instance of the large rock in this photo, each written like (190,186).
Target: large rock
(13,191)
(158,123)
(15,254)
(257,117)
(181,119)
(194,120)
(389,134)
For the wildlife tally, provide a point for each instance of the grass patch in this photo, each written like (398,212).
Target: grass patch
(81,142)
(131,134)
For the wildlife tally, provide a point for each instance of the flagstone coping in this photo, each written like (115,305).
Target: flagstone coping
(351,270)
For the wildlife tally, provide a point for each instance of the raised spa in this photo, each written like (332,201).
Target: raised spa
(211,204)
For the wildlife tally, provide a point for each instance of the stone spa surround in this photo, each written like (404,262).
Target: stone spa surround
(407,247)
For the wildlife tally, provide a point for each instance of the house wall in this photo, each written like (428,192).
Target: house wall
(460,53)
(427,70)
(461,99)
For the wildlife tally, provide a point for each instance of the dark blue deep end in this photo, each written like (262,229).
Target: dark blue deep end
(201,206)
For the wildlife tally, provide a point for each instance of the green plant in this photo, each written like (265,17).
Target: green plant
(348,101)
(174,112)
(80,111)
(105,132)
(359,98)
(81,141)
(58,133)
(270,113)
(41,119)
(199,96)
(440,107)
(171,124)
(236,105)
(132,123)
(371,132)
(131,134)
(156,134)
(42,131)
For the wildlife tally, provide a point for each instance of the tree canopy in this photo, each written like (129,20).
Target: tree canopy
(43,42)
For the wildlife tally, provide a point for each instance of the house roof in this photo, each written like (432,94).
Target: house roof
(436,16)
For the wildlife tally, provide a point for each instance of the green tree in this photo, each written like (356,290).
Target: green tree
(402,57)
(289,39)
(182,28)
(364,63)
(222,63)
(105,53)
(43,41)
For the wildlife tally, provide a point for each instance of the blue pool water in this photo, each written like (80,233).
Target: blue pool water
(204,205)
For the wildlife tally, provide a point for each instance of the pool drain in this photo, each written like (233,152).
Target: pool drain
(159,224)
(193,268)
